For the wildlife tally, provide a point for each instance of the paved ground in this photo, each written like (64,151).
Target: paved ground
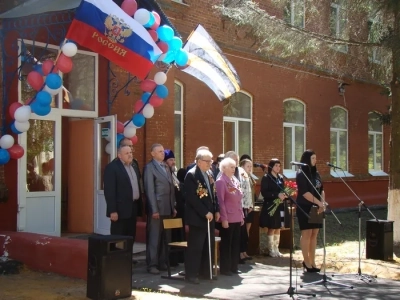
(259,279)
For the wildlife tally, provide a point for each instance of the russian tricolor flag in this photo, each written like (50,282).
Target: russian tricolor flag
(103,27)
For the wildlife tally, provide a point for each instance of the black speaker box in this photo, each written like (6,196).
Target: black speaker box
(380,239)
(109,274)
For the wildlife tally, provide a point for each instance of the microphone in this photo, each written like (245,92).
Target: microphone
(259,165)
(295,163)
(332,166)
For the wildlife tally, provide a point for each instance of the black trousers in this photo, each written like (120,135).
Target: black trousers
(244,238)
(230,247)
(125,226)
(197,260)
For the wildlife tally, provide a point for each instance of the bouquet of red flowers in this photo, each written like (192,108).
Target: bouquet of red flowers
(290,189)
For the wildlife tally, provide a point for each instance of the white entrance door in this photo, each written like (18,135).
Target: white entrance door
(105,139)
(39,177)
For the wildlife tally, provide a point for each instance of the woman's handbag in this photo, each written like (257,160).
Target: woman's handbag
(315,217)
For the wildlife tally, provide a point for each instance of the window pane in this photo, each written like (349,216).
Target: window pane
(374,122)
(343,150)
(333,147)
(287,132)
(40,156)
(379,152)
(238,106)
(80,83)
(178,97)
(293,112)
(338,118)
(245,138)
(229,136)
(178,141)
(299,142)
(371,157)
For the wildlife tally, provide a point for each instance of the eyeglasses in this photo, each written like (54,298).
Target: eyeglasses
(208,161)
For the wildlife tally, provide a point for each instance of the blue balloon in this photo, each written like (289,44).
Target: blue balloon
(119,137)
(13,129)
(175,43)
(165,33)
(40,110)
(169,57)
(162,91)
(138,120)
(4,156)
(150,22)
(43,98)
(53,81)
(182,58)
(145,97)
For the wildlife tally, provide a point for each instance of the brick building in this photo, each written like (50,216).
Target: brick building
(281,111)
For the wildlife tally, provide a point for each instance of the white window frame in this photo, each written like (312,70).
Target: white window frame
(65,111)
(376,172)
(180,112)
(333,172)
(373,58)
(293,13)
(236,121)
(291,173)
(340,48)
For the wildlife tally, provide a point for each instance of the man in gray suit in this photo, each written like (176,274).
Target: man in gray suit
(160,195)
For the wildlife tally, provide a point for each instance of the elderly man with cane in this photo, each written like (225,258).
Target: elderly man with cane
(201,205)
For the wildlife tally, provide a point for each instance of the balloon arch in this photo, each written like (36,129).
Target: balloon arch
(47,82)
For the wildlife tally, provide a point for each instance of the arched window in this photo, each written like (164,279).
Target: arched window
(178,124)
(339,139)
(293,134)
(375,144)
(238,123)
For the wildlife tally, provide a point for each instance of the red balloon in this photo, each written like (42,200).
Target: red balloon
(35,80)
(156,101)
(163,46)
(129,6)
(120,127)
(16,151)
(157,20)
(138,106)
(64,63)
(134,139)
(148,85)
(47,67)
(153,34)
(13,108)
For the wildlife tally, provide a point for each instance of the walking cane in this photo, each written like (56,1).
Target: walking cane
(209,248)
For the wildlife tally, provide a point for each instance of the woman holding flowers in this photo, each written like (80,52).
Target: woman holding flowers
(272,185)
(307,198)
(231,216)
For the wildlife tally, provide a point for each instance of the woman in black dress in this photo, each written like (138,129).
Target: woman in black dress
(272,184)
(308,197)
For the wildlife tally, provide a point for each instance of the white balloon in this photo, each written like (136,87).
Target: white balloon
(6,141)
(142,16)
(22,126)
(107,138)
(148,111)
(69,49)
(52,91)
(130,124)
(108,148)
(129,132)
(160,78)
(23,113)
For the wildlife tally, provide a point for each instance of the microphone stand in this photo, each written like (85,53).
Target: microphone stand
(291,290)
(361,204)
(324,279)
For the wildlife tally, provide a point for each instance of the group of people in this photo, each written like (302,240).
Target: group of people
(207,195)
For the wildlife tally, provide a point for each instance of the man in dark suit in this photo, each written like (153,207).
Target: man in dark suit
(122,193)
(201,205)
(160,196)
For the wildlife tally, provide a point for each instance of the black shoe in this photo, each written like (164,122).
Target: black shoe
(309,270)
(316,269)
(135,262)
(182,273)
(242,261)
(227,273)
(236,272)
(192,280)
(248,258)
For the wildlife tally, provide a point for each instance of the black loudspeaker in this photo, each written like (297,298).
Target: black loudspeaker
(380,239)
(109,272)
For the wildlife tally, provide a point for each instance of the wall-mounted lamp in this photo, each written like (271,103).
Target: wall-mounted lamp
(342,88)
